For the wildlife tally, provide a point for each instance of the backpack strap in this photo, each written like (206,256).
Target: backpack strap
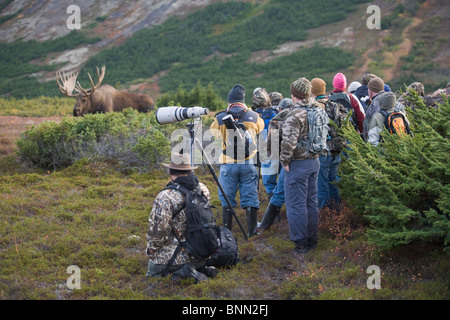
(385,114)
(176,186)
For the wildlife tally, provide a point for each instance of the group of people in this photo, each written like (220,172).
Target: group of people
(301,180)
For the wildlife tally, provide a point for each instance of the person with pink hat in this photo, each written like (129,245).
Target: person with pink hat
(348,100)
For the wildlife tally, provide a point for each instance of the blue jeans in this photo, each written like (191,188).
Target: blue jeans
(300,187)
(236,176)
(278,193)
(269,171)
(328,192)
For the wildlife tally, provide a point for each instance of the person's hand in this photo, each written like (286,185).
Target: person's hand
(286,168)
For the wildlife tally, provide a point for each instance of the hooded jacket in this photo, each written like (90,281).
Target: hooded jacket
(376,125)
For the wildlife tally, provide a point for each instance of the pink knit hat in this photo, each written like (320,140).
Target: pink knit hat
(340,82)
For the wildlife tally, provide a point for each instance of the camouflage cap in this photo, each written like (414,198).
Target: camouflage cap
(286,103)
(418,87)
(261,98)
(365,79)
(275,98)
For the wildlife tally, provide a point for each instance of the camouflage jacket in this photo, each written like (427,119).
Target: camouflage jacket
(295,127)
(161,243)
(274,135)
(337,114)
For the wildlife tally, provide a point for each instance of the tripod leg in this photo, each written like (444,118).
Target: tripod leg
(213,173)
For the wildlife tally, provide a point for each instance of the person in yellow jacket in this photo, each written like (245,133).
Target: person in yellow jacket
(237,169)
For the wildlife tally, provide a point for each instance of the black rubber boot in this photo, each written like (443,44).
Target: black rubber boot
(188,271)
(252,217)
(227,217)
(271,213)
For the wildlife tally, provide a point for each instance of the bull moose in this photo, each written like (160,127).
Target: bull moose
(100,99)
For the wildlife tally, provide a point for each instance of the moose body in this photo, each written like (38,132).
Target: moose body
(107,99)
(101,99)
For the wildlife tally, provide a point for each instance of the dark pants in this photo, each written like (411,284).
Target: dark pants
(328,192)
(300,187)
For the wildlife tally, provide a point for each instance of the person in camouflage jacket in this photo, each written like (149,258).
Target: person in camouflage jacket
(161,241)
(327,190)
(277,200)
(302,169)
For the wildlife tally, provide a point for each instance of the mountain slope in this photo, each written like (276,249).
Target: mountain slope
(257,35)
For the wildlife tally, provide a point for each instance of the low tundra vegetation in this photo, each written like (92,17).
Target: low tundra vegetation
(61,206)
(94,216)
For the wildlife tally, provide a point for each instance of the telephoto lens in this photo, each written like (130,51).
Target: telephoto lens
(165,115)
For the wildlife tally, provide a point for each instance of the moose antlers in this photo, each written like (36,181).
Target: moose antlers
(70,83)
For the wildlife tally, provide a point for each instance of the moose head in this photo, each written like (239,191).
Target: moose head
(69,83)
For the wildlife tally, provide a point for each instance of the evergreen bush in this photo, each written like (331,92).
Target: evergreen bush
(129,137)
(197,96)
(401,187)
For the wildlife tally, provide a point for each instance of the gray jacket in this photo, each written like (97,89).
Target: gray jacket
(376,125)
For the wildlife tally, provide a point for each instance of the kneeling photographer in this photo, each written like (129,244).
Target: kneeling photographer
(238,127)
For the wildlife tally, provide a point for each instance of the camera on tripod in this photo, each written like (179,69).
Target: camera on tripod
(167,115)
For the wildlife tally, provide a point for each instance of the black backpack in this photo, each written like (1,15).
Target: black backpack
(202,232)
(247,145)
(228,253)
(338,114)
(344,99)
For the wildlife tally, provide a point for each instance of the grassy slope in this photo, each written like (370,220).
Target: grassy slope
(93,216)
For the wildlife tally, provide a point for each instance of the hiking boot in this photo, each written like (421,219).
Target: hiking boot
(301,246)
(252,220)
(312,243)
(301,249)
(271,213)
(227,217)
(187,271)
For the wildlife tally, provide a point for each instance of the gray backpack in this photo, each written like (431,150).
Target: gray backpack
(317,131)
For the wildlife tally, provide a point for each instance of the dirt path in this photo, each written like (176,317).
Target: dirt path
(12,126)
(403,50)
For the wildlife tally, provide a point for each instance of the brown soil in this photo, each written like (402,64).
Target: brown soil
(12,126)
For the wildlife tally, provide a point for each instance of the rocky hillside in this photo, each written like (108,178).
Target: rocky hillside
(412,43)
(112,20)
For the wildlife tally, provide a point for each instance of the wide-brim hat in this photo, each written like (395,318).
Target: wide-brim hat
(180,161)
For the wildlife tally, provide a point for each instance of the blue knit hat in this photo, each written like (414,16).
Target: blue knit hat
(236,94)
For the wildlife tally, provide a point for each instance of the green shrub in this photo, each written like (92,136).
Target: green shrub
(131,138)
(402,186)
